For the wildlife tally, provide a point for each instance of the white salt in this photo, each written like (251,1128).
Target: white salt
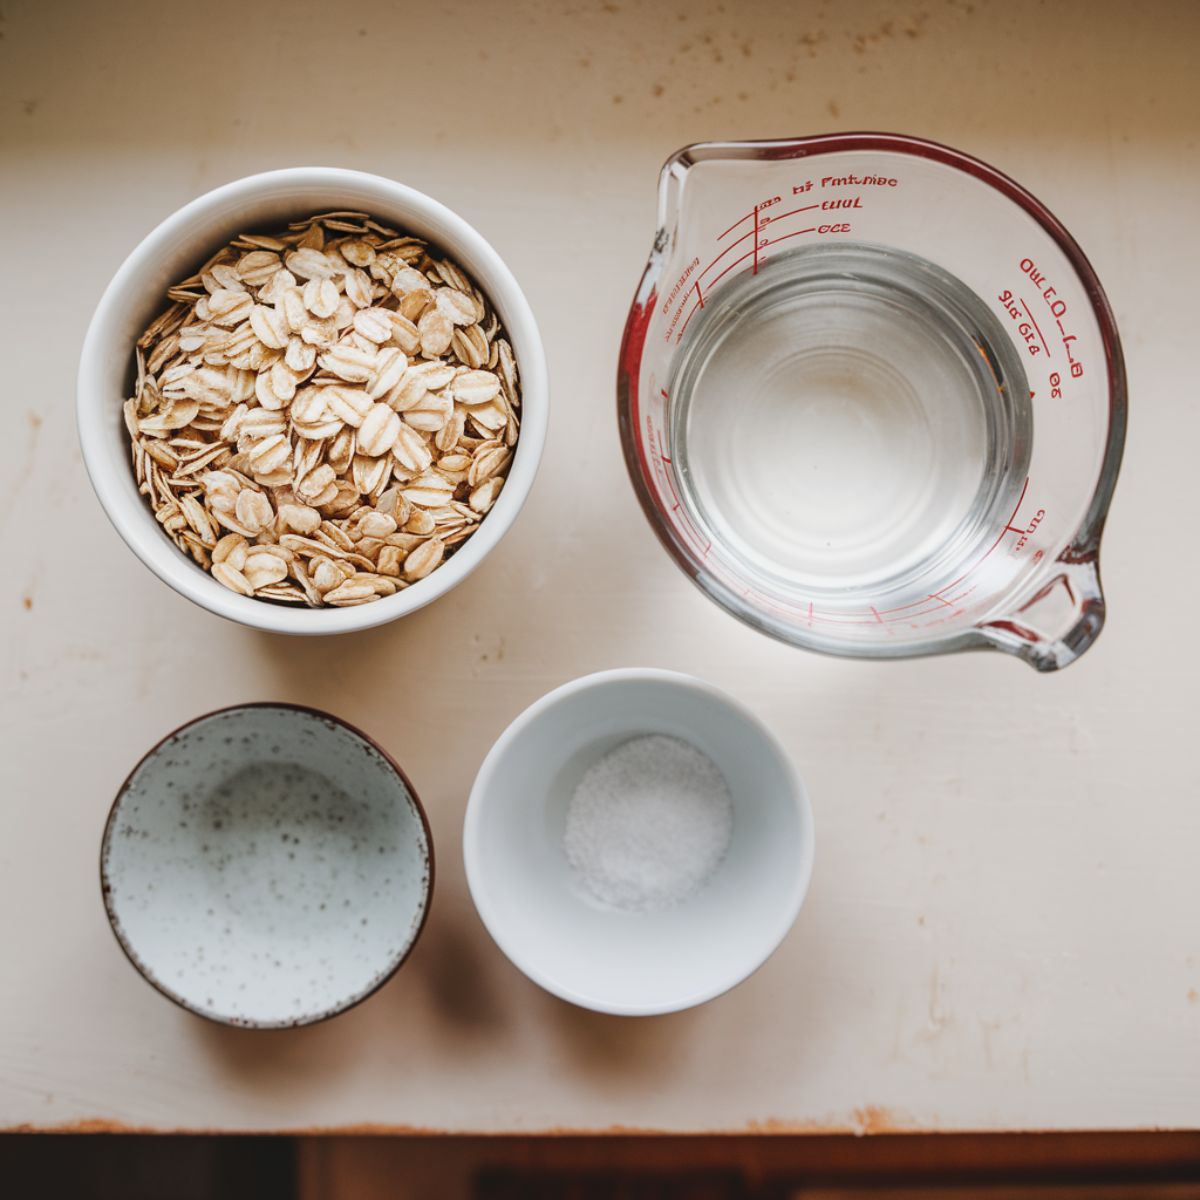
(649,823)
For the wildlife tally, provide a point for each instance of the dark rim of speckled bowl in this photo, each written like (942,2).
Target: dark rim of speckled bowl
(242,1022)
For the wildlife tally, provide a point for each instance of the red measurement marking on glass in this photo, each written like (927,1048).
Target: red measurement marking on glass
(724,252)
(943,609)
(783,237)
(685,522)
(695,309)
(1041,336)
(759,225)
(700,304)
(879,618)
(940,620)
(903,608)
(905,616)
(828,620)
(912,618)
(749,254)
(734,226)
(787,610)
(1007,528)
(756,241)
(752,253)
(791,212)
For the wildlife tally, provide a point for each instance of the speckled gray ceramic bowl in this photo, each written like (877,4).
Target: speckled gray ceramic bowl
(267,866)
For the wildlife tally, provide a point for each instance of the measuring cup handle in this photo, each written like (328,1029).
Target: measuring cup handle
(1060,620)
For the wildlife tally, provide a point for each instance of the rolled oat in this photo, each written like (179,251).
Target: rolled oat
(323,415)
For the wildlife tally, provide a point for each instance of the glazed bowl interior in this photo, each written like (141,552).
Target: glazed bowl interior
(182,243)
(266,866)
(541,914)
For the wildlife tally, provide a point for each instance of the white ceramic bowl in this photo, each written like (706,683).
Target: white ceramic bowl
(634,963)
(266,866)
(137,294)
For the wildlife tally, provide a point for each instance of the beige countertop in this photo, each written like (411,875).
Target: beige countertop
(1002,930)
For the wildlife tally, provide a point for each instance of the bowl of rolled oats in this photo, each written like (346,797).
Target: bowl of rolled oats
(312,400)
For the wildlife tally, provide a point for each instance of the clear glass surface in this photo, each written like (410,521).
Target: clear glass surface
(872,399)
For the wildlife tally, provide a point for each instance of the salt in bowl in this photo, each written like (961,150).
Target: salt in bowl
(604,957)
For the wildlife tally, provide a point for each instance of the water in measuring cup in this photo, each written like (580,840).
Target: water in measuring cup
(848,420)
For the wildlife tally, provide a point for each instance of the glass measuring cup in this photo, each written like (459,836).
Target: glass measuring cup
(872,399)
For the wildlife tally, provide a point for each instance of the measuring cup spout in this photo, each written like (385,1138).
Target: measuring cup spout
(1054,626)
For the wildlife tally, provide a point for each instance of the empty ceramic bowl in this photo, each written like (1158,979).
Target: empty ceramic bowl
(568,783)
(267,866)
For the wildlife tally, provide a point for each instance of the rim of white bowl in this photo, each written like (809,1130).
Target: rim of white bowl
(111,474)
(393,964)
(474,849)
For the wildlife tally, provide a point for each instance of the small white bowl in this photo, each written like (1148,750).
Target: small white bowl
(266,866)
(181,243)
(634,963)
